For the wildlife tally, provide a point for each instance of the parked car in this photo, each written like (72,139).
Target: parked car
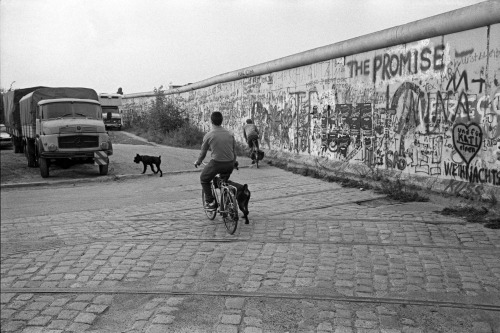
(5,138)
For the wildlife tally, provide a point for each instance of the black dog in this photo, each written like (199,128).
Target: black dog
(242,196)
(149,160)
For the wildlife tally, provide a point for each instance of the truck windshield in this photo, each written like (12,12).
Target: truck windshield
(112,109)
(71,110)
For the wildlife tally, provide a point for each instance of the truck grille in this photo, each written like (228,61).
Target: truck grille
(74,129)
(78,141)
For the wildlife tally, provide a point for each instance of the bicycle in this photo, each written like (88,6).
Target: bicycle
(254,152)
(226,203)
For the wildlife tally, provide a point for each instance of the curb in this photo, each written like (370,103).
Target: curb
(97,180)
(89,180)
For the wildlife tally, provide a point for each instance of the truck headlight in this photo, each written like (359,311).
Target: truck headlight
(52,147)
(104,145)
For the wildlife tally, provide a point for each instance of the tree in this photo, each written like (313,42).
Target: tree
(120,91)
(165,116)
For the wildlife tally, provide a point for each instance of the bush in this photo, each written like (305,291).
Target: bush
(186,136)
(164,122)
(164,115)
(159,116)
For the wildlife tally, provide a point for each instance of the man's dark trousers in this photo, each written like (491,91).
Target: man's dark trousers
(209,172)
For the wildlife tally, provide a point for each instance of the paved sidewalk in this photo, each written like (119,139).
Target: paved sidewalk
(315,257)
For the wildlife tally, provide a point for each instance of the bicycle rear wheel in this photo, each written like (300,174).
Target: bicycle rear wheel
(229,211)
(255,154)
(211,213)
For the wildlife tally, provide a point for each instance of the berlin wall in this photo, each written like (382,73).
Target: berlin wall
(421,99)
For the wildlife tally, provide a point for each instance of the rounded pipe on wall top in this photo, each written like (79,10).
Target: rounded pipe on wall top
(471,17)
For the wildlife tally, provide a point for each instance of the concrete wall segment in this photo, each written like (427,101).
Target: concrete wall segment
(482,14)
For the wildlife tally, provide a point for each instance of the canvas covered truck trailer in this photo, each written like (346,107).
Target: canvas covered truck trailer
(64,126)
(111,114)
(12,117)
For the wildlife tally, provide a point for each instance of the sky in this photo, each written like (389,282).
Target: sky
(140,45)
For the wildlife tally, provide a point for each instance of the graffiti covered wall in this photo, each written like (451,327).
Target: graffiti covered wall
(428,108)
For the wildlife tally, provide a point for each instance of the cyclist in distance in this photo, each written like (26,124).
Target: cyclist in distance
(251,134)
(221,143)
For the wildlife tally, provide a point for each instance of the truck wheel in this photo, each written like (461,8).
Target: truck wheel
(103,169)
(44,167)
(20,145)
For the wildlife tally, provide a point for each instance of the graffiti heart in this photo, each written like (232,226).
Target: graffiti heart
(467,140)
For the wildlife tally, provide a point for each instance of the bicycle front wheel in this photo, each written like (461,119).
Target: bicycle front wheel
(230,211)
(211,213)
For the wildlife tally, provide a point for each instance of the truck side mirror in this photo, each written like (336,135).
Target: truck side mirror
(108,116)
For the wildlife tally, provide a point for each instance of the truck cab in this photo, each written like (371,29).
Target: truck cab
(111,112)
(112,120)
(64,126)
(64,122)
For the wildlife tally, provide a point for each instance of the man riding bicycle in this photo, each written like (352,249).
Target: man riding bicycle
(251,135)
(222,144)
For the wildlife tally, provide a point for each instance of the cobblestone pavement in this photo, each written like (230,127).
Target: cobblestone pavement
(314,258)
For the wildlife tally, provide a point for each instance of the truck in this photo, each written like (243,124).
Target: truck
(111,104)
(64,126)
(12,117)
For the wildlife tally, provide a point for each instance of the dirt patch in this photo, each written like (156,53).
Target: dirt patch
(14,167)
(489,217)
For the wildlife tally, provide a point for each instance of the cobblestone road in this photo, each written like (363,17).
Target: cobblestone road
(315,257)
